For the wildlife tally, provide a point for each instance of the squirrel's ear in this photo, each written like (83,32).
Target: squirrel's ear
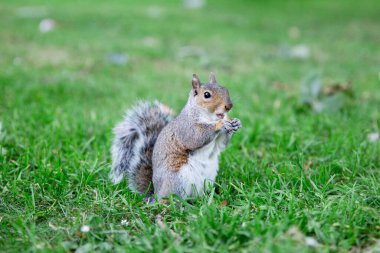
(212,78)
(195,82)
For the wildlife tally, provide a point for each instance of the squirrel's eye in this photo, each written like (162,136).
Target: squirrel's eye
(207,94)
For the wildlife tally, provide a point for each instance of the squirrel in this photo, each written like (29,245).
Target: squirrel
(162,154)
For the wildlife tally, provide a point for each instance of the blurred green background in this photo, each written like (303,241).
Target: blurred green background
(303,173)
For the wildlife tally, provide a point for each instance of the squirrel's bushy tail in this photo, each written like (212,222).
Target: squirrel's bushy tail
(132,147)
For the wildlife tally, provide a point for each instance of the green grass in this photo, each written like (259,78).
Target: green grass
(290,173)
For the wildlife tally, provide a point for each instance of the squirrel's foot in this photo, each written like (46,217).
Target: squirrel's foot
(232,126)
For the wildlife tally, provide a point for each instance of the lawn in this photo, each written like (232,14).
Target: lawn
(302,175)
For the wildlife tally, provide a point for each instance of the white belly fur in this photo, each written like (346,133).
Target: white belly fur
(201,169)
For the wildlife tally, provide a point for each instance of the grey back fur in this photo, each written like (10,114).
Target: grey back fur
(133,144)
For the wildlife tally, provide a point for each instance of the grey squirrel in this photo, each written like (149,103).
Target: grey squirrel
(164,155)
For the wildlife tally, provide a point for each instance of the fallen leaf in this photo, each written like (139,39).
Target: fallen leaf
(337,87)
(223,203)
(279,86)
(165,201)
(331,98)
(307,165)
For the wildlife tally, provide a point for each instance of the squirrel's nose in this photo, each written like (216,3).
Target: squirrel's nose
(228,106)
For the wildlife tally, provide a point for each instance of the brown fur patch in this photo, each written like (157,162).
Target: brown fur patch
(178,157)
(214,102)
(164,201)
(218,125)
(144,179)
(218,98)
(177,161)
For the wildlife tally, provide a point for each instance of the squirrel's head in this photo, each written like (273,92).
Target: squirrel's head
(213,99)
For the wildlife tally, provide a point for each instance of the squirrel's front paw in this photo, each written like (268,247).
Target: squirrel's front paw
(233,125)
